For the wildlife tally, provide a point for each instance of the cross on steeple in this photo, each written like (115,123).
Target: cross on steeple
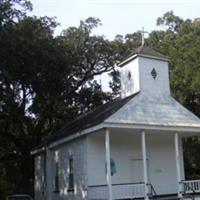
(142,35)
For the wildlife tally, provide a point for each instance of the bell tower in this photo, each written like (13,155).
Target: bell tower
(145,70)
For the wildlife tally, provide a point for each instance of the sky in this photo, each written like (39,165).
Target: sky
(117,16)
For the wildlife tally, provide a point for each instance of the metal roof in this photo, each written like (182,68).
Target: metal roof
(161,110)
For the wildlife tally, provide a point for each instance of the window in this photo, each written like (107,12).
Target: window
(56,178)
(71,175)
(154,73)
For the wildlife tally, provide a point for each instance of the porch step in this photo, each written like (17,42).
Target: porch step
(186,197)
(165,198)
(170,197)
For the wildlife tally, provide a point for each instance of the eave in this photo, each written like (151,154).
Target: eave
(141,55)
(192,131)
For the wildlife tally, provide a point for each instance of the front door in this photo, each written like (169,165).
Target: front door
(136,171)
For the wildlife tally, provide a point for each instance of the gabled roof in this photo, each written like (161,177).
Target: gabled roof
(91,119)
(144,51)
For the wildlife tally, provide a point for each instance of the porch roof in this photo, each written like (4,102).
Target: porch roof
(161,110)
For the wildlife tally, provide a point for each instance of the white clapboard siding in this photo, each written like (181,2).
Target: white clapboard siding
(39,185)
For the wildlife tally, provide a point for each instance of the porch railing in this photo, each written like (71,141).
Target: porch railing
(152,193)
(191,186)
(120,191)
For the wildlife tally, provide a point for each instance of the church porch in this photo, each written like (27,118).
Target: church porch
(143,163)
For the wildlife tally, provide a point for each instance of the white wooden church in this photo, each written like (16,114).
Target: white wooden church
(126,149)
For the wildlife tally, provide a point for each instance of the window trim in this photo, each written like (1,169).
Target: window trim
(56,178)
(71,174)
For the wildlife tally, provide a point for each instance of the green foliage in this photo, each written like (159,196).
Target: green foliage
(192,157)
(170,21)
(124,45)
(44,82)
(13,10)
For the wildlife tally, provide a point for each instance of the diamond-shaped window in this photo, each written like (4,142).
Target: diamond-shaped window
(154,73)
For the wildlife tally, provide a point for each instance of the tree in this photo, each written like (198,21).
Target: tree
(16,90)
(169,20)
(44,82)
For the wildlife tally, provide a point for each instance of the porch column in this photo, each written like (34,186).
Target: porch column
(108,167)
(144,158)
(49,190)
(178,169)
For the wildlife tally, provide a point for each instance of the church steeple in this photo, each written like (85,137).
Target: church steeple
(145,70)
